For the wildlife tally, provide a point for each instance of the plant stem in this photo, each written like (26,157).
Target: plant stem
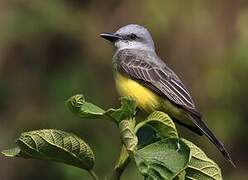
(121,164)
(93,175)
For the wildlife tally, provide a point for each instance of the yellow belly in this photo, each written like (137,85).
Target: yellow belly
(144,97)
(147,100)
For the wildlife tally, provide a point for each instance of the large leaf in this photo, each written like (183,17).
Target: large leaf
(54,145)
(164,159)
(82,108)
(161,123)
(200,166)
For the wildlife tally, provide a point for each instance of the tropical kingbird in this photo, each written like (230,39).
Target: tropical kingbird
(141,74)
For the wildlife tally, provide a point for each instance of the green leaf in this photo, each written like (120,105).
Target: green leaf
(164,159)
(83,109)
(161,123)
(200,166)
(128,136)
(180,176)
(12,152)
(54,145)
(126,111)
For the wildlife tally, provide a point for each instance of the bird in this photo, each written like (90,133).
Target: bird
(140,73)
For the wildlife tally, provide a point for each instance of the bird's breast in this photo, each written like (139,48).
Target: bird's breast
(145,98)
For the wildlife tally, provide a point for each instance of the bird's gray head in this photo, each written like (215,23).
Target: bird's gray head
(131,36)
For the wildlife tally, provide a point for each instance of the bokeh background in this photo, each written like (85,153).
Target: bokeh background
(51,50)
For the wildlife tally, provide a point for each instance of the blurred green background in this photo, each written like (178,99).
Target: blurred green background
(51,49)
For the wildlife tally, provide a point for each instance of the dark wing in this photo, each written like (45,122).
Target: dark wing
(160,79)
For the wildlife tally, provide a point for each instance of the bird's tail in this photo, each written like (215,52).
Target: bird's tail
(205,130)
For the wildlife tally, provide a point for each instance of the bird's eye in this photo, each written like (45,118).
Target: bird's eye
(133,36)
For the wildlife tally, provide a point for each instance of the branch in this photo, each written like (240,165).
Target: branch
(121,164)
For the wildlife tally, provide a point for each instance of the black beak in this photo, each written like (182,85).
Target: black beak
(112,37)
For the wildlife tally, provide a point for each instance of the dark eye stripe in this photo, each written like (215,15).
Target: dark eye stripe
(132,36)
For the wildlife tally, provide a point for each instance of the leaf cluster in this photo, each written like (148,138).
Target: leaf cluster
(165,156)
